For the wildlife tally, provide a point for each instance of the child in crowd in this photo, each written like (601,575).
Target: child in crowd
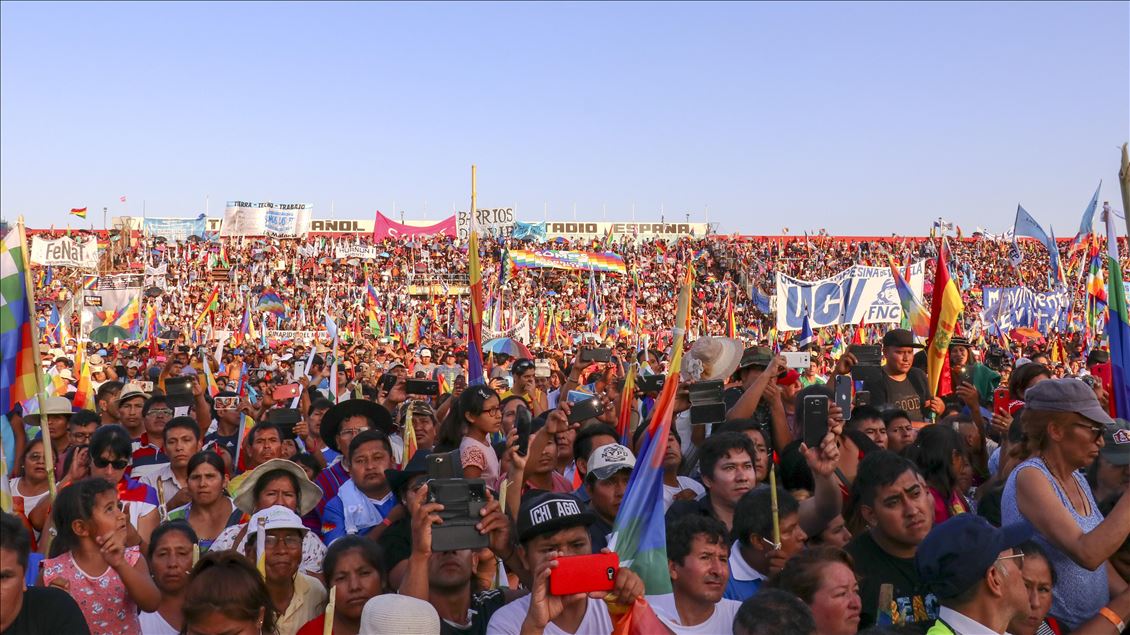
(90,561)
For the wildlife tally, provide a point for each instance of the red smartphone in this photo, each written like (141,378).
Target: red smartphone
(289,391)
(1001,400)
(584,574)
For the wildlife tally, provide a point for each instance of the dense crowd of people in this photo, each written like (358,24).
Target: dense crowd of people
(375,486)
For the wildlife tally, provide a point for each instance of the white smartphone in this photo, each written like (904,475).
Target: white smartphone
(797,360)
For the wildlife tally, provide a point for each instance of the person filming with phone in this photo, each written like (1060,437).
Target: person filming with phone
(897,382)
(447,579)
(523,376)
(553,539)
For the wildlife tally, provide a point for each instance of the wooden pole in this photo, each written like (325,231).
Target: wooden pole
(48,451)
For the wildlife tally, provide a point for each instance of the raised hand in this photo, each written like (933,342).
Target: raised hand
(496,525)
(424,515)
(545,607)
(112,546)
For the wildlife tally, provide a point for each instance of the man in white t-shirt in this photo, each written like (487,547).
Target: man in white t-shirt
(552,526)
(675,485)
(698,559)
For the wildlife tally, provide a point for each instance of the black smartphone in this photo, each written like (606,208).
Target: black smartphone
(178,386)
(707,405)
(815,419)
(522,421)
(388,380)
(863,398)
(421,387)
(445,465)
(844,385)
(866,354)
(285,419)
(596,355)
(651,383)
(587,409)
(960,376)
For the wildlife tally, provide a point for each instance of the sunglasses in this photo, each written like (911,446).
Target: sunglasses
(1097,431)
(117,464)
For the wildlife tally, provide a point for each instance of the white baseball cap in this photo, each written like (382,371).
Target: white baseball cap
(608,460)
(278,517)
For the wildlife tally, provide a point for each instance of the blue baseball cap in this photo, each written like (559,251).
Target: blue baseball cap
(955,555)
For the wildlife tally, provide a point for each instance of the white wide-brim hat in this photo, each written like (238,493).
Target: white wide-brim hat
(711,358)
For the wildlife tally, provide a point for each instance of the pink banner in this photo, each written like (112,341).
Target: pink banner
(384,227)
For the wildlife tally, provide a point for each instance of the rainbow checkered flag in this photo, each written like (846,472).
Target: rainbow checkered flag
(5,488)
(639,534)
(18,365)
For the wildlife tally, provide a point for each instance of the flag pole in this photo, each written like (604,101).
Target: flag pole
(45,431)
(1124,185)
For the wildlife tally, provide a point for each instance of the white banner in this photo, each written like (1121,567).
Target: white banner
(288,220)
(856,294)
(155,276)
(574,230)
(497,221)
(520,332)
(364,252)
(78,251)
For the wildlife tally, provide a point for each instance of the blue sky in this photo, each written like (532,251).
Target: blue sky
(859,118)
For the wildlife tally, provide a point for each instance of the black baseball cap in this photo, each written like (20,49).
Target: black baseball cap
(547,512)
(900,338)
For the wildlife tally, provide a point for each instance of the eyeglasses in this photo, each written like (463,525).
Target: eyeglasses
(1019,558)
(523,366)
(494,412)
(290,541)
(350,432)
(117,464)
(1096,430)
(80,438)
(161,412)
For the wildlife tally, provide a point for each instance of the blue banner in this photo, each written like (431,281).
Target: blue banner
(176,229)
(1013,307)
(528,231)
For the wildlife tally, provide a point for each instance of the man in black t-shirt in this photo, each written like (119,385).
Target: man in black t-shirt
(896,383)
(896,504)
(30,610)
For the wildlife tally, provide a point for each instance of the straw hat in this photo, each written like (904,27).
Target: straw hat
(53,406)
(244,494)
(711,358)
